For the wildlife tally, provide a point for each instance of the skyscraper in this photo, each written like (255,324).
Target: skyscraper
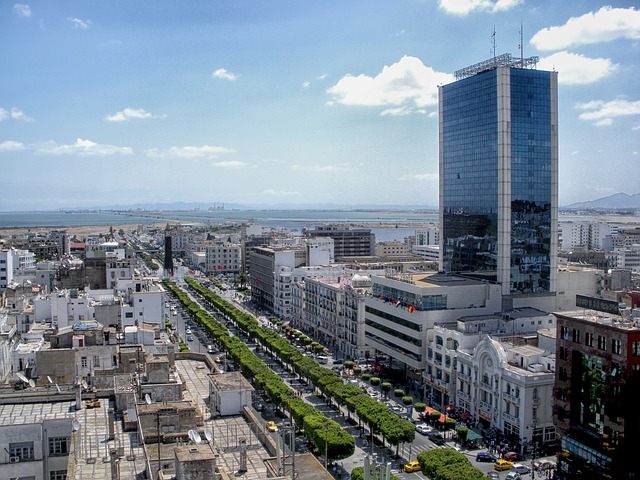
(499,174)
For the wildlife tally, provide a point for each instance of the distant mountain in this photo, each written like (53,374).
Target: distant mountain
(612,202)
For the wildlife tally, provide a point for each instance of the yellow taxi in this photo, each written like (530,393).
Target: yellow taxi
(412,467)
(217,360)
(271,426)
(501,465)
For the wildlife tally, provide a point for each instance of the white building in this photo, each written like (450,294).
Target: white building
(428,236)
(589,235)
(508,387)
(391,248)
(333,312)
(36,445)
(229,393)
(403,308)
(628,258)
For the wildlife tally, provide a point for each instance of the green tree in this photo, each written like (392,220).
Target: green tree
(386,388)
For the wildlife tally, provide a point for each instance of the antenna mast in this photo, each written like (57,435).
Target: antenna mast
(521,45)
(493,42)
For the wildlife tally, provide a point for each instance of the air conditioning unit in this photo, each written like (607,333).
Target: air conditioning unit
(14,459)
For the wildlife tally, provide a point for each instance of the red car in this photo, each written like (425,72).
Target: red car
(513,456)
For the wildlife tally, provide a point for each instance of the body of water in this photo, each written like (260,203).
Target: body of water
(397,224)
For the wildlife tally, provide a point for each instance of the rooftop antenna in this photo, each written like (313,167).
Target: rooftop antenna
(493,42)
(521,46)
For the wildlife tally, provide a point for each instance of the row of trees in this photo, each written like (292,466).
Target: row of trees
(376,415)
(324,432)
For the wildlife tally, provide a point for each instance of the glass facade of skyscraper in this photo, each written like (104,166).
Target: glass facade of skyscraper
(497,163)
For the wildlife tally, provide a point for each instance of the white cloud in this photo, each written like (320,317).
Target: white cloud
(464,7)
(602,26)
(602,113)
(85,148)
(576,69)
(322,77)
(420,176)
(22,9)
(408,82)
(224,74)
(205,151)
(14,114)
(79,23)
(305,84)
(399,111)
(229,164)
(323,168)
(11,146)
(279,192)
(131,113)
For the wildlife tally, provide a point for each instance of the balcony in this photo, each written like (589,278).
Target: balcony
(510,418)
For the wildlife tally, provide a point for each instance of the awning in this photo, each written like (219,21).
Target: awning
(471,435)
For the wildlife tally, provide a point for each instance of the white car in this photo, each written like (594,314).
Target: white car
(520,468)
(188,331)
(424,429)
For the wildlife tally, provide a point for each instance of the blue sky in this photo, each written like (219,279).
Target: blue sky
(297,102)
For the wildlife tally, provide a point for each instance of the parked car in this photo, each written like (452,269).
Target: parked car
(520,468)
(423,429)
(485,457)
(412,467)
(493,476)
(513,476)
(189,338)
(501,465)
(513,456)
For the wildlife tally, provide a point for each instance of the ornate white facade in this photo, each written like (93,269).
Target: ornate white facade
(509,388)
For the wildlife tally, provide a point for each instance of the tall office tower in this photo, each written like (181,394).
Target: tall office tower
(499,174)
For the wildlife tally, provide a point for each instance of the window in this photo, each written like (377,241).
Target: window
(58,475)
(83,362)
(576,336)
(602,342)
(635,349)
(564,333)
(564,353)
(439,340)
(616,346)
(22,450)
(58,446)
(588,339)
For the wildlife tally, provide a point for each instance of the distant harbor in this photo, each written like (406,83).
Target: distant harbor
(386,224)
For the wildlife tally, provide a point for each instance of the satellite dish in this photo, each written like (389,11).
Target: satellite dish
(147,398)
(75,425)
(84,385)
(195,437)
(58,387)
(32,383)
(22,377)
(49,379)
(209,434)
